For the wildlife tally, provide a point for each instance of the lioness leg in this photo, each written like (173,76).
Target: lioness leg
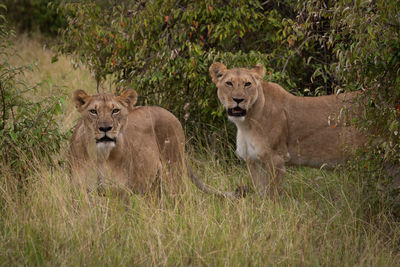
(275,172)
(257,173)
(267,176)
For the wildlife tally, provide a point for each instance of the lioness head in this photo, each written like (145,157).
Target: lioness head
(238,88)
(104,115)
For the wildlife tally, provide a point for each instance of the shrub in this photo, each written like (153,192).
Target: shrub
(28,129)
(366,41)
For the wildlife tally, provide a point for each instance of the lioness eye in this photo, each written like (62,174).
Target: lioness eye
(247,84)
(229,83)
(93,111)
(115,111)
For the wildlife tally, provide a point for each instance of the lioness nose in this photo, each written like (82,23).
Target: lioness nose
(105,129)
(238,100)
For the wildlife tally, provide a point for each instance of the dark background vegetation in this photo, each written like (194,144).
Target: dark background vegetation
(163,49)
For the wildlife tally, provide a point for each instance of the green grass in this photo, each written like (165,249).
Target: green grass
(318,220)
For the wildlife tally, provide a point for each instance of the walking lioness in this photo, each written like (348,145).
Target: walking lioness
(275,128)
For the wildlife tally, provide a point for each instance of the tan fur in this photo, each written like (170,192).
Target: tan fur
(147,139)
(280,128)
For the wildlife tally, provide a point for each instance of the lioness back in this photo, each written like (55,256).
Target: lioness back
(318,134)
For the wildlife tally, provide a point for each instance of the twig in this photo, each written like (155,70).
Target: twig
(296,52)
(4,105)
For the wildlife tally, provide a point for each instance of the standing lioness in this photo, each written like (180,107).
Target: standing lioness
(275,127)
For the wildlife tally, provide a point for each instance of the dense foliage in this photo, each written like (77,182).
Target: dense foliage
(365,37)
(28,128)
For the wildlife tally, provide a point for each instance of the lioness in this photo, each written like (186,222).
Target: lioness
(275,128)
(123,148)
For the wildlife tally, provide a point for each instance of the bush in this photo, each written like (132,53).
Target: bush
(28,129)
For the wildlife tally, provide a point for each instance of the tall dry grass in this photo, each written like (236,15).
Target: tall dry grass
(318,220)
(56,78)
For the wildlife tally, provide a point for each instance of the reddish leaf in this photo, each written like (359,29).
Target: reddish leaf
(210,8)
(166,19)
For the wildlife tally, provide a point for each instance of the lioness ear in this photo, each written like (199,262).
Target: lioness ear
(80,98)
(129,97)
(259,70)
(217,70)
